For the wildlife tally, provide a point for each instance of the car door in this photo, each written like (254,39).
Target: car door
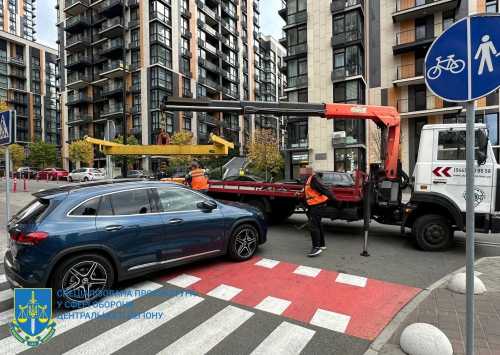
(189,230)
(130,224)
(448,171)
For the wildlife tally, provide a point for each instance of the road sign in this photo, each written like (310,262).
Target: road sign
(463,64)
(6,128)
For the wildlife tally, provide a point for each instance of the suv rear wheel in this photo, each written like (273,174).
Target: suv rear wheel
(82,279)
(243,243)
(433,232)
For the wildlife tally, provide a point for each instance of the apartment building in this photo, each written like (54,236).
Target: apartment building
(271,84)
(29,84)
(17,17)
(352,51)
(121,57)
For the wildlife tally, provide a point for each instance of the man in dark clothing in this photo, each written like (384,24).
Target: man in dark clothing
(317,196)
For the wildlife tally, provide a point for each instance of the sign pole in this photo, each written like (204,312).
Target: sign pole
(469,226)
(7,186)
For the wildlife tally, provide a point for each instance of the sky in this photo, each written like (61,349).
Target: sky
(271,22)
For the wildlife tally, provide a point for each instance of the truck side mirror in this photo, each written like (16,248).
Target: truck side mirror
(482,146)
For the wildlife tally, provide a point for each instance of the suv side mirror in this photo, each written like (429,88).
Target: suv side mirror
(482,146)
(207,206)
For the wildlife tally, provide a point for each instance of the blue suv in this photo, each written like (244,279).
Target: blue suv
(82,239)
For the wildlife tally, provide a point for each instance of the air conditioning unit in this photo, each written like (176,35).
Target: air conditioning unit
(338,137)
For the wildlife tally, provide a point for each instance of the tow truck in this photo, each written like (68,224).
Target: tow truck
(436,208)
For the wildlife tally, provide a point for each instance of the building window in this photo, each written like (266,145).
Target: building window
(294,6)
(354,131)
(347,27)
(347,62)
(160,33)
(297,135)
(448,19)
(491,6)
(161,55)
(349,92)
(349,159)
(161,11)
(161,78)
(297,72)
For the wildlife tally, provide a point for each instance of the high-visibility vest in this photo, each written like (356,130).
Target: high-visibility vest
(313,197)
(199,180)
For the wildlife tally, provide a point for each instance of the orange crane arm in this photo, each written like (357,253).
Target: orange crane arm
(386,118)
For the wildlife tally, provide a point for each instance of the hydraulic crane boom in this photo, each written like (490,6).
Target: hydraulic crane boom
(386,118)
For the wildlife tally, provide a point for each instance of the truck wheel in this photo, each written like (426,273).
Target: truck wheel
(243,243)
(260,206)
(433,232)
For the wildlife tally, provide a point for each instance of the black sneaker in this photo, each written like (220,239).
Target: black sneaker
(315,251)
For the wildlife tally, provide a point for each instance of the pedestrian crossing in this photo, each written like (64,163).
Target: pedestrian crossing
(190,324)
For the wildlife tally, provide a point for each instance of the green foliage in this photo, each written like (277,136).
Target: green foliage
(81,151)
(264,154)
(118,159)
(16,155)
(42,154)
(181,138)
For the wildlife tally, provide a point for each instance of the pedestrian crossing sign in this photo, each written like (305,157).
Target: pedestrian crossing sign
(6,127)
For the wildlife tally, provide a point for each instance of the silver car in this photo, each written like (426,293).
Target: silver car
(86,174)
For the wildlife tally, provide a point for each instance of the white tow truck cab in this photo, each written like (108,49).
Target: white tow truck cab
(438,203)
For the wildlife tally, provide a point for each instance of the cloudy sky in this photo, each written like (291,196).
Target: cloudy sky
(271,22)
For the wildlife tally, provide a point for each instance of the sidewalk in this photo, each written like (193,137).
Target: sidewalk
(446,310)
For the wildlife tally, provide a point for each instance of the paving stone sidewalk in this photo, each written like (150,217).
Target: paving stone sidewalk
(446,310)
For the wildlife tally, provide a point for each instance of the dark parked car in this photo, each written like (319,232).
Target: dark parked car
(90,236)
(52,174)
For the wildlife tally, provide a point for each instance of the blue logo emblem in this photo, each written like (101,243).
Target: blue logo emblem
(33,323)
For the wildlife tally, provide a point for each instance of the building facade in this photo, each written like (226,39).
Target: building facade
(352,51)
(121,57)
(271,85)
(17,17)
(29,84)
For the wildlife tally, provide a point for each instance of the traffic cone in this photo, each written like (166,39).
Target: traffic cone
(14,186)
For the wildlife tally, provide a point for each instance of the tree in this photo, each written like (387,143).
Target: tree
(118,159)
(181,138)
(264,153)
(81,151)
(42,154)
(3,106)
(17,155)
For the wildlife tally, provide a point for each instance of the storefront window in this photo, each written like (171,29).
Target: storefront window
(349,159)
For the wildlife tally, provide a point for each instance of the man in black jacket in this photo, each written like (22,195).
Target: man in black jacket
(317,196)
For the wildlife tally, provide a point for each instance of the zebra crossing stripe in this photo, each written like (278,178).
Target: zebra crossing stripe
(286,339)
(6,295)
(11,345)
(125,333)
(207,335)
(3,278)
(6,316)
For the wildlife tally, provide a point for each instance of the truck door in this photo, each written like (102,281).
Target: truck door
(448,171)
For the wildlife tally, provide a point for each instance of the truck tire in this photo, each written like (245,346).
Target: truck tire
(260,206)
(433,232)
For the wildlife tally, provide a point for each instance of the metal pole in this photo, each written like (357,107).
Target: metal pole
(7,186)
(469,227)
(124,127)
(109,168)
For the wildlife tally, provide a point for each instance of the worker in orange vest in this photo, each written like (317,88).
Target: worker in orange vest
(197,178)
(316,195)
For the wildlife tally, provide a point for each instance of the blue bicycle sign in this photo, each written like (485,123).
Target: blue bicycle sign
(454,66)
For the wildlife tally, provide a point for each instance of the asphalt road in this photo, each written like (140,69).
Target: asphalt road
(205,323)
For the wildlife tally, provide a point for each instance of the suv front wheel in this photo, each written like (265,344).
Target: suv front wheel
(243,243)
(81,280)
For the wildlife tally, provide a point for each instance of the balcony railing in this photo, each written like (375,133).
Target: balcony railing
(340,5)
(409,71)
(77,19)
(208,65)
(416,34)
(17,61)
(429,102)
(69,3)
(347,71)
(297,17)
(297,81)
(112,88)
(78,98)
(112,109)
(117,21)
(158,15)
(112,45)
(77,76)
(77,59)
(298,143)
(76,39)
(209,82)
(349,36)
(230,92)
(207,46)
(402,5)
(297,49)
(79,117)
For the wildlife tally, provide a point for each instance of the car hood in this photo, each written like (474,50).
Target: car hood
(244,206)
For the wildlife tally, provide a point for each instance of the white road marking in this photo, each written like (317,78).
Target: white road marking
(330,320)
(286,339)
(3,278)
(11,345)
(273,305)
(133,329)
(6,316)
(6,295)
(207,335)
(307,271)
(224,292)
(183,280)
(267,263)
(352,280)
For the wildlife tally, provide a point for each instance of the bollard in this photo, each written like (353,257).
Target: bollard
(47,177)
(14,186)
(25,185)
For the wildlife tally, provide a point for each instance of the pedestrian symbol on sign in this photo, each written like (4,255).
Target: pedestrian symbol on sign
(4,131)
(484,51)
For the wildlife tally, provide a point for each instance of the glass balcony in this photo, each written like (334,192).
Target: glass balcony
(78,99)
(111,8)
(112,28)
(78,80)
(422,105)
(77,43)
(75,7)
(410,9)
(341,5)
(77,23)
(410,74)
(77,61)
(296,81)
(18,61)
(342,73)
(341,39)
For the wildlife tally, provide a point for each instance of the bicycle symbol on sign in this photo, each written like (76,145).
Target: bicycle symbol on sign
(454,66)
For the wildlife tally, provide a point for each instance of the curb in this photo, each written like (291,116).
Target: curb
(394,324)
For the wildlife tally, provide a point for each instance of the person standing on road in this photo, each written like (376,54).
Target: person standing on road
(197,178)
(317,196)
